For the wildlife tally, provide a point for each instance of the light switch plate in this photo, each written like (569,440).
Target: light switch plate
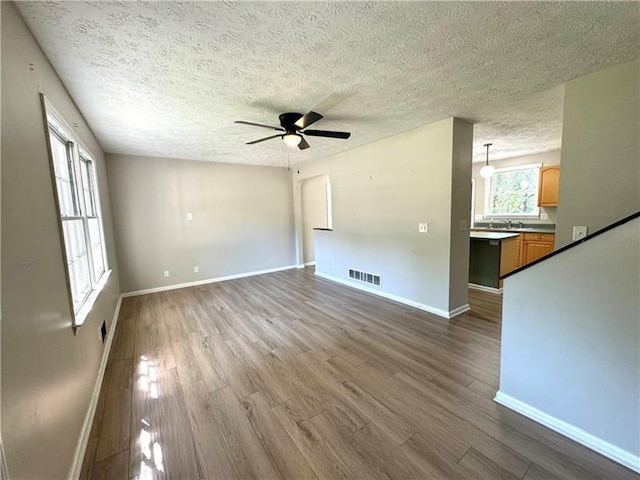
(579,232)
(423,227)
(463,225)
(166,273)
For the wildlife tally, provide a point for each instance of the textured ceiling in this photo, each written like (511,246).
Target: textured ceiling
(169,79)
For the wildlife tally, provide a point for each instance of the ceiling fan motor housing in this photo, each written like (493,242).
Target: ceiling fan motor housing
(288,120)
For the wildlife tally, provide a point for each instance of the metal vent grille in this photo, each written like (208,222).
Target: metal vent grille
(365,277)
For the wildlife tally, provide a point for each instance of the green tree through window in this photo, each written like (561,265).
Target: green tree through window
(513,192)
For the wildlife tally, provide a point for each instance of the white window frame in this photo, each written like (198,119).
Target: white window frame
(487,193)
(77,153)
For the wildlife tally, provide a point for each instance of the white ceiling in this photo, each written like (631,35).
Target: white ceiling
(168,79)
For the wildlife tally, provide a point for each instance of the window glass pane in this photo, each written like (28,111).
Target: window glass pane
(97,254)
(77,259)
(86,167)
(514,192)
(64,177)
(74,175)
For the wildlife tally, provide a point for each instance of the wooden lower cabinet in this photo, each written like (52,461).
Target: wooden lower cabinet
(534,251)
(520,249)
(536,245)
(526,248)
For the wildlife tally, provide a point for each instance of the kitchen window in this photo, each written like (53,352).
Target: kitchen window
(74,177)
(513,192)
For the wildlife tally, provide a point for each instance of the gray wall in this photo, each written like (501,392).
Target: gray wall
(242,219)
(48,374)
(314,213)
(460,212)
(600,181)
(576,356)
(380,192)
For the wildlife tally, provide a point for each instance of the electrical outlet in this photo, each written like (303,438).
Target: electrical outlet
(423,227)
(196,269)
(579,232)
(189,216)
(544,216)
(166,273)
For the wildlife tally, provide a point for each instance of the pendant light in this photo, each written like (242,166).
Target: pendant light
(487,170)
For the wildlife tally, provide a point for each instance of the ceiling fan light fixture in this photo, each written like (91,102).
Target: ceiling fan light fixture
(487,170)
(292,139)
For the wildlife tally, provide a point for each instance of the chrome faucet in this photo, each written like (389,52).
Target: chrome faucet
(507,221)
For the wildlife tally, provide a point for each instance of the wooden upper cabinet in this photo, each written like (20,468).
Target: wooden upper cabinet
(549,185)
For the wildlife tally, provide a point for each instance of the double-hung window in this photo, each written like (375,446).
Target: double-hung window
(73,170)
(513,192)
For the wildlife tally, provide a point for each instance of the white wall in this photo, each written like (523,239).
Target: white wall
(545,158)
(600,181)
(313,193)
(242,219)
(48,374)
(380,192)
(576,356)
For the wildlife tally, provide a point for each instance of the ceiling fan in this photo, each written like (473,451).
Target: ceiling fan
(293,125)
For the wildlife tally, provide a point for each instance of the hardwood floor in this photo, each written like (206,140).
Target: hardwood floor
(288,375)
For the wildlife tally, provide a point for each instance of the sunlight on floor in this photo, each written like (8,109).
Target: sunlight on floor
(152,456)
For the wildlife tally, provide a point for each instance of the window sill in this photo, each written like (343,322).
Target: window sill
(82,314)
(535,216)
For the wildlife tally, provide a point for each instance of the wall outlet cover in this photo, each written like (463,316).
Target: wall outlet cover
(423,227)
(166,273)
(189,216)
(579,232)
(196,269)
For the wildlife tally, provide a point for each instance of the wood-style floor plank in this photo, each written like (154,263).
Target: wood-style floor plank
(284,454)
(113,436)
(291,376)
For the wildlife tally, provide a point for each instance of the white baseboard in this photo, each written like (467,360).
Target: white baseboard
(457,311)
(484,288)
(396,298)
(574,433)
(209,280)
(81,448)
(308,264)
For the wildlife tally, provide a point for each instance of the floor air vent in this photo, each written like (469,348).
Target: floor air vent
(364,277)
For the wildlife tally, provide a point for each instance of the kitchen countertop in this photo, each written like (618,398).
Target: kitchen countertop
(492,235)
(517,230)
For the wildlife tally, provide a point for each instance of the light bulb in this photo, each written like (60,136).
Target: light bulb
(292,139)
(487,171)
